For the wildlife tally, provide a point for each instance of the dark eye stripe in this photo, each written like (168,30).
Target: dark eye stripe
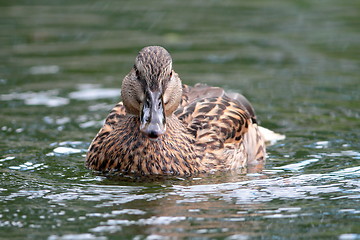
(141,80)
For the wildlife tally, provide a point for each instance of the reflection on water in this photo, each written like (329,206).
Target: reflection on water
(47,98)
(60,74)
(52,69)
(93,92)
(51,99)
(212,209)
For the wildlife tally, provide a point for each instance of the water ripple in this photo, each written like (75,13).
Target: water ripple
(83,236)
(67,148)
(48,98)
(93,92)
(44,69)
(306,186)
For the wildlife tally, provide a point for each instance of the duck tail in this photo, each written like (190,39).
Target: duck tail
(270,137)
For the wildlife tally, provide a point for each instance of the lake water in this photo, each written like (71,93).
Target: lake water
(61,66)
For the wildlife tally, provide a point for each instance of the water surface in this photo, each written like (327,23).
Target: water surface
(60,73)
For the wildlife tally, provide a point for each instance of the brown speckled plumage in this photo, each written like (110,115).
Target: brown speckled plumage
(201,128)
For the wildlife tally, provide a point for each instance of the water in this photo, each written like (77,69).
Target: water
(60,73)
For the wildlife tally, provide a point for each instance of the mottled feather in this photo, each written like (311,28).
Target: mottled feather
(209,130)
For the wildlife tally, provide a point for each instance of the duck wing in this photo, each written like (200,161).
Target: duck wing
(215,121)
(200,91)
(224,127)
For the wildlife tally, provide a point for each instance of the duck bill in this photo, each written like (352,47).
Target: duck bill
(152,116)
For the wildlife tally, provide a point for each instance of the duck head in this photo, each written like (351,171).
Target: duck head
(152,90)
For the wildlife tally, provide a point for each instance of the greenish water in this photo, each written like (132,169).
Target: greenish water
(61,66)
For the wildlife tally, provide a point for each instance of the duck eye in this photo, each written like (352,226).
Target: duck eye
(170,74)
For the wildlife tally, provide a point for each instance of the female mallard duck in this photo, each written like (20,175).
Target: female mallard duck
(165,128)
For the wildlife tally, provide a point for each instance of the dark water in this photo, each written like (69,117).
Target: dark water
(61,65)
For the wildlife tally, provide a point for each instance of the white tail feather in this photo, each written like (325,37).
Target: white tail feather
(270,137)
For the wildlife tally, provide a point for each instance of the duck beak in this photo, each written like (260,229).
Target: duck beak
(152,116)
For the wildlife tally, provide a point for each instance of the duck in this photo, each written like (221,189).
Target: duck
(163,127)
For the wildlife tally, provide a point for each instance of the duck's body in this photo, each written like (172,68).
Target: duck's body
(165,128)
